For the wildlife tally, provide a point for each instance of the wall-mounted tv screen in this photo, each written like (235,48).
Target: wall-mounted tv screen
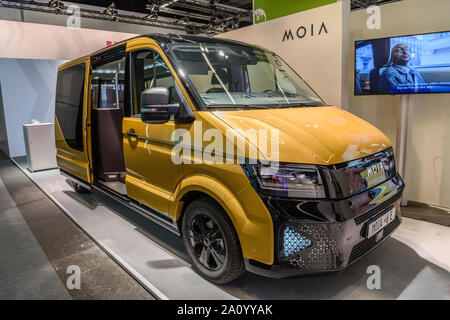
(403,65)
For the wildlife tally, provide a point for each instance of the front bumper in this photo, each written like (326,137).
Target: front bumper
(337,235)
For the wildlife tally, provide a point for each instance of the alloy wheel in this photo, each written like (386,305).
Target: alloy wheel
(207,241)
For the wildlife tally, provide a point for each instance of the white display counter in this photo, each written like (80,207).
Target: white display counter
(40,146)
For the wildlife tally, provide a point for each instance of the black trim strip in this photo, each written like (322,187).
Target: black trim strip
(110,55)
(147,212)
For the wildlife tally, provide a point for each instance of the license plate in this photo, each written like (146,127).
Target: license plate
(377,225)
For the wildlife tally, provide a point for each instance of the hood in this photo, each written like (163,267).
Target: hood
(318,135)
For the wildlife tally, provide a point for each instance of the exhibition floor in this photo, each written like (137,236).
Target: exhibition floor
(38,242)
(414,263)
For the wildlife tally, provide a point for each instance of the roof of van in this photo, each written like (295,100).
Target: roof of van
(187,38)
(164,39)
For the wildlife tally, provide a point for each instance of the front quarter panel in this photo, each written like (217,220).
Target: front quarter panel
(246,211)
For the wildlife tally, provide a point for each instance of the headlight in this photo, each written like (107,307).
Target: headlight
(290,180)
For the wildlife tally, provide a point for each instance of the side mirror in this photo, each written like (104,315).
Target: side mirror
(155,107)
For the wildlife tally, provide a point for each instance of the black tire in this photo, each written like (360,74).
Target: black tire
(79,189)
(233,264)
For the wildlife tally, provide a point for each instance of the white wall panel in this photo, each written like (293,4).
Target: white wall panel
(429,180)
(23,40)
(28,92)
(319,57)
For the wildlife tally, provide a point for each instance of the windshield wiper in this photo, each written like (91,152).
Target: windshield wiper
(238,106)
(268,106)
(302,104)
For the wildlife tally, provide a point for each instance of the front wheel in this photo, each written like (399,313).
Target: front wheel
(211,241)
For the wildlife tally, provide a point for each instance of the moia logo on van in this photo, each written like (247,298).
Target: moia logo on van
(305,31)
(231,148)
(373,170)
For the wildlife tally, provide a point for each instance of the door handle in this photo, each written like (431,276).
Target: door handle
(132,134)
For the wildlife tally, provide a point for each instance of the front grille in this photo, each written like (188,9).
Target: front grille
(348,178)
(368,244)
(372,213)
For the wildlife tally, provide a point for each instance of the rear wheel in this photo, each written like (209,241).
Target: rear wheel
(211,241)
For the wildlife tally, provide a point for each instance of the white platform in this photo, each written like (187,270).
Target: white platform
(157,260)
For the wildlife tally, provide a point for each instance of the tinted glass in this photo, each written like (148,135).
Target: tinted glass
(164,77)
(69,104)
(149,71)
(108,85)
(143,76)
(238,75)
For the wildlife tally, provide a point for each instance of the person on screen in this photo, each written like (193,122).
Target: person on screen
(396,76)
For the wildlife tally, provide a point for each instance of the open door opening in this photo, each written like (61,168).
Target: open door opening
(107,107)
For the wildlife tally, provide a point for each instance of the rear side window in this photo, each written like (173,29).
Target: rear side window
(69,104)
(108,85)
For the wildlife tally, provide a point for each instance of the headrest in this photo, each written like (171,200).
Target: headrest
(223,77)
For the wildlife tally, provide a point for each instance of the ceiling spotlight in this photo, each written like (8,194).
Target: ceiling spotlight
(236,22)
(152,6)
(168,3)
(210,31)
(152,16)
(112,11)
(56,6)
(213,21)
(223,27)
(190,29)
(184,21)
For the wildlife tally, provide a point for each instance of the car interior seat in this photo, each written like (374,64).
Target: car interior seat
(214,81)
(109,163)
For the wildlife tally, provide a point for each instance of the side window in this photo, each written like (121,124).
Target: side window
(108,85)
(164,77)
(142,76)
(69,104)
(148,71)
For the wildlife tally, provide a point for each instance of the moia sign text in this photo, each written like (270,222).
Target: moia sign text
(304,31)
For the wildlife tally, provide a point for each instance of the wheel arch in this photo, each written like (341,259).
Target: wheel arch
(249,232)
(195,187)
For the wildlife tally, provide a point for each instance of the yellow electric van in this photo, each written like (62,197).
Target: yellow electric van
(223,144)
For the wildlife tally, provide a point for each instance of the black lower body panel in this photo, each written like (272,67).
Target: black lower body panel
(305,246)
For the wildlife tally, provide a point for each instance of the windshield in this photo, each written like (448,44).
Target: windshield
(242,76)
